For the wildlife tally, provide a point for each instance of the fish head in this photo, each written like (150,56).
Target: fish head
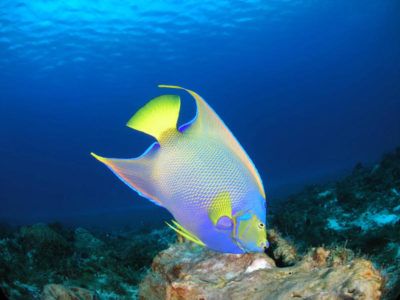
(250,233)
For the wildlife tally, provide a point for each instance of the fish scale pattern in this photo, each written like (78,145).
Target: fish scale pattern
(193,172)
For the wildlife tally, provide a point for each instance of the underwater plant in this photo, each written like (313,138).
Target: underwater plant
(198,172)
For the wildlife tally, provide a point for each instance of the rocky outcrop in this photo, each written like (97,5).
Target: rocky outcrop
(187,271)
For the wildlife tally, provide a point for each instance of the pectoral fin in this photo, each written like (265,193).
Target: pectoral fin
(220,211)
(185,233)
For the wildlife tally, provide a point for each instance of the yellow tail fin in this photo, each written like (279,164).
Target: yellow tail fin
(157,116)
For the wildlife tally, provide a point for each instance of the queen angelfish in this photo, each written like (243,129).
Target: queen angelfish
(200,173)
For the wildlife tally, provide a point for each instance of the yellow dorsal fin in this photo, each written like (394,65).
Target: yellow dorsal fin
(220,206)
(185,233)
(158,116)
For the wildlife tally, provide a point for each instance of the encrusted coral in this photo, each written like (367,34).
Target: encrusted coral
(186,271)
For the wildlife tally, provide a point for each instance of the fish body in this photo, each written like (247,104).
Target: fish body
(199,173)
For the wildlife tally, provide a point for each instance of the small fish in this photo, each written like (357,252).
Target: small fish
(200,174)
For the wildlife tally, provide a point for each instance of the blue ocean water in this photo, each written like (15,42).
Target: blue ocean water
(309,88)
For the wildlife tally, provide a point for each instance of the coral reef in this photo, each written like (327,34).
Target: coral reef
(349,224)
(111,264)
(50,262)
(360,212)
(85,242)
(187,271)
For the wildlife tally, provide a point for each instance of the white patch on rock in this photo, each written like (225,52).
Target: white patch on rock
(258,264)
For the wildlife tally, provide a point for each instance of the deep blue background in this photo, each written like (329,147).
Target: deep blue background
(309,88)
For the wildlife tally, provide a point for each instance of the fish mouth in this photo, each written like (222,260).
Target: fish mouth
(266,246)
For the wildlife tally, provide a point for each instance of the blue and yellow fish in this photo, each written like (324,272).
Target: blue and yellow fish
(200,174)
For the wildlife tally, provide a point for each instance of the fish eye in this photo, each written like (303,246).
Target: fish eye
(260,225)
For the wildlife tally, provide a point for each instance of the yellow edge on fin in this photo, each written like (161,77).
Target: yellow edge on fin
(171,86)
(185,233)
(99,158)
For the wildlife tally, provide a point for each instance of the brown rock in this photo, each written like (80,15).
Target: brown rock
(60,292)
(186,271)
